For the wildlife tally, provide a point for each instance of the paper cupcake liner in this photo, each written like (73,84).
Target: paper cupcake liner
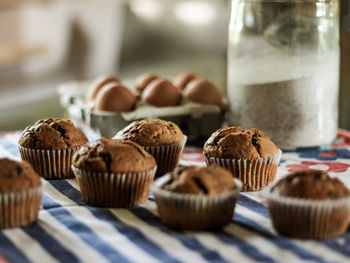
(193,212)
(167,156)
(255,175)
(20,208)
(114,189)
(308,219)
(50,164)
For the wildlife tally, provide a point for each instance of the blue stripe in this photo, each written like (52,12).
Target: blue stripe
(255,227)
(276,240)
(153,220)
(10,252)
(253,205)
(343,248)
(260,209)
(133,234)
(256,254)
(248,250)
(83,231)
(49,243)
(189,242)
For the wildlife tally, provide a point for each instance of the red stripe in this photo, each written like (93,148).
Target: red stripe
(3,260)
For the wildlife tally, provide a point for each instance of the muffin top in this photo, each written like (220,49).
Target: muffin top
(311,184)
(17,176)
(114,156)
(152,132)
(237,143)
(52,134)
(200,181)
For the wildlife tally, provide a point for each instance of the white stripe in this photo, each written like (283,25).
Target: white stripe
(28,246)
(250,238)
(6,153)
(170,244)
(190,163)
(57,196)
(269,249)
(257,218)
(208,240)
(13,137)
(256,196)
(264,244)
(103,229)
(68,239)
(73,183)
(159,241)
(321,250)
(228,252)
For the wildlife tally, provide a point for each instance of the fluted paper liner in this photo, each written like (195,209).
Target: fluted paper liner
(166,156)
(308,219)
(50,164)
(194,212)
(114,189)
(255,175)
(19,208)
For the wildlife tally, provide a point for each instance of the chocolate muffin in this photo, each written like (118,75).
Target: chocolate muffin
(309,204)
(163,139)
(237,143)
(113,156)
(311,184)
(200,181)
(249,154)
(17,176)
(20,193)
(114,173)
(49,145)
(52,134)
(196,198)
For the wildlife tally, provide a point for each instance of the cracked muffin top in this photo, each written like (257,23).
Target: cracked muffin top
(311,184)
(237,143)
(113,156)
(17,176)
(200,181)
(52,134)
(151,132)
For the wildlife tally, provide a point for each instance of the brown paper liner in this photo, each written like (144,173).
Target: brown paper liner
(194,212)
(308,219)
(114,190)
(166,156)
(255,175)
(20,208)
(50,164)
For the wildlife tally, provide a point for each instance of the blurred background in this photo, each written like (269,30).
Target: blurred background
(44,43)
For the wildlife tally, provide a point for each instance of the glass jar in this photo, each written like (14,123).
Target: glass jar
(283,69)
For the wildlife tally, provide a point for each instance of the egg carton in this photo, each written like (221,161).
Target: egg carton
(195,120)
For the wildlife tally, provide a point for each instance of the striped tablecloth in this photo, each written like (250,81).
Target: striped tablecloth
(70,231)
